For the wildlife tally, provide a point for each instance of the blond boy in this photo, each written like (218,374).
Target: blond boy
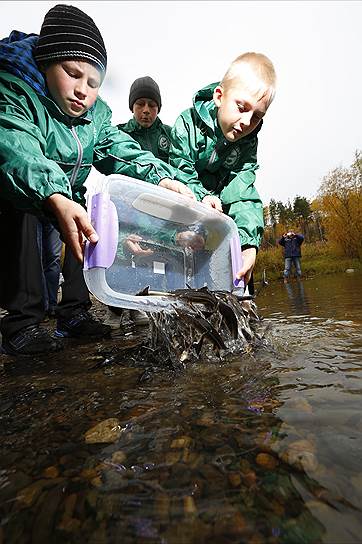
(214,144)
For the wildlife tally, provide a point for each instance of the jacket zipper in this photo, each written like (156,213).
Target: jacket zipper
(79,159)
(212,157)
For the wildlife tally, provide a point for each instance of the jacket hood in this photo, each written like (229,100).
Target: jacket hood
(205,106)
(16,57)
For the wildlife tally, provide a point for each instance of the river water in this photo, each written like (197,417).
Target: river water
(260,448)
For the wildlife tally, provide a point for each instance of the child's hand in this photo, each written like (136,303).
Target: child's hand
(212,202)
(177,186)
(249,256)
(190,239)
(73,222)
(132,245)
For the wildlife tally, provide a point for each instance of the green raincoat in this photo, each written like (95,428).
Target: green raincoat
(155,138)
(43,151)
(213,166)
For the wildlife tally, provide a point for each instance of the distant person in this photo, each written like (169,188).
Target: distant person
(291,243)
(145,126)
(215,142)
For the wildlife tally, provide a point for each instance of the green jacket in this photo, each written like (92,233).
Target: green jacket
(43,151)
(213,166)
(155,139)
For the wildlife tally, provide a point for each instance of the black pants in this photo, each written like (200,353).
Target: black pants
(21,279)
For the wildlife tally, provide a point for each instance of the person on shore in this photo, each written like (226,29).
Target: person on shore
(53,128)
(215,142)
(291,242)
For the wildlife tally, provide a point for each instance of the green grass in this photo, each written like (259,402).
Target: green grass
(317,258)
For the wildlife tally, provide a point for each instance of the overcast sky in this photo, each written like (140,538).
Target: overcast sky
(314,123)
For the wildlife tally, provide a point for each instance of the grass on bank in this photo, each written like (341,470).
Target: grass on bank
(317,258)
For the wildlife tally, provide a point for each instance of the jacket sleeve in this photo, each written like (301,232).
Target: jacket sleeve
(242,198)
(27,177)
(300,238)
(183,153)
(281,241)
(116,152)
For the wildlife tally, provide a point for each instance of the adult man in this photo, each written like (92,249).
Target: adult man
(292,253)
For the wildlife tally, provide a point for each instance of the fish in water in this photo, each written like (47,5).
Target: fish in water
(199,323)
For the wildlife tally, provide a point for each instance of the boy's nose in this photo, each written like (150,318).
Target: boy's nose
(246,118)
(81,88)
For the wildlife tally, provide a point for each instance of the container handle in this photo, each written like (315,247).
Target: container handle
(104,218)
(236,260)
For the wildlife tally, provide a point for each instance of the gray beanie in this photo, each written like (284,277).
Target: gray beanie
(144,87)
(66,33)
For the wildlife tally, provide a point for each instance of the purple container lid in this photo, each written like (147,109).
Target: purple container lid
(104,219)
(236,260)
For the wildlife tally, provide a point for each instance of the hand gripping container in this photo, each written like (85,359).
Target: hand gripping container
(156,238)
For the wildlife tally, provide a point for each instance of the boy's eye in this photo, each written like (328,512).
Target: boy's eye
(241,108)
(93,84)
(71,74)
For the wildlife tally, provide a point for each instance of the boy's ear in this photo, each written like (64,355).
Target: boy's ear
(217,96)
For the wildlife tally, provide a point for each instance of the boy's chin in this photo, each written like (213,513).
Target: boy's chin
(233,137)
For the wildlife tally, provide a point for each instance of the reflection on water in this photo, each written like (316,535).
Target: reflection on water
(259,449)
(297,296)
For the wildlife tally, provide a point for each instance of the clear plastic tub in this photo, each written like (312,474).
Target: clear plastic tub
(150,237)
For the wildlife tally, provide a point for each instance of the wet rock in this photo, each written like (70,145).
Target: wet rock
(119,457)
(303,405)
(189,505)
(234,479)
(104,432)
(51,472)
(266,461)
(89,473)
(69,525)
(69,505)
(27,496)
(162,506)
(301,455)
(181,442)
(172,457)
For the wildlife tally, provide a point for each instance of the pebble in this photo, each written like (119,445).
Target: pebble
(105,432)
(51,472)
(266,461)
(189,505)
(181,442)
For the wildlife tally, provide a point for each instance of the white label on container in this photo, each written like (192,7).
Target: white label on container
(158,268)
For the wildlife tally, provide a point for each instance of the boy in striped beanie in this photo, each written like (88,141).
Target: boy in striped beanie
(53,128)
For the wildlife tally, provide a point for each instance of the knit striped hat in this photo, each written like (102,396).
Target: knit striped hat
(68,33)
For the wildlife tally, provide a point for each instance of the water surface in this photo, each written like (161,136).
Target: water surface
(259,448)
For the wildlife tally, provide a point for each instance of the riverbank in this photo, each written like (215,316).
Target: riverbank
(317,258)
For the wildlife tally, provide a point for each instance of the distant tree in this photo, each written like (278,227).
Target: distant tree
(273,212)
(340,197)
(302,213)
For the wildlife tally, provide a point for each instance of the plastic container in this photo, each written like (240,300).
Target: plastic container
(153,237)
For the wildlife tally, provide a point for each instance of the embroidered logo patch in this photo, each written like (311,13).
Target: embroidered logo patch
(163,143)
(232,157)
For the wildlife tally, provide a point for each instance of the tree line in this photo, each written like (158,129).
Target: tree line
(333,216)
